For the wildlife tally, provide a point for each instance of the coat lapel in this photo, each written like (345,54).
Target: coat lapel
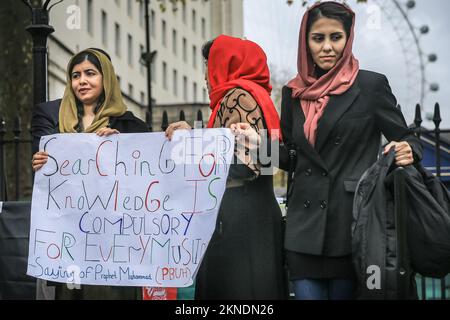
(300,138)
(333,112)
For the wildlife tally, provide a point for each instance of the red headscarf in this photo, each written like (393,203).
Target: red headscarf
(314,93)
(234,62)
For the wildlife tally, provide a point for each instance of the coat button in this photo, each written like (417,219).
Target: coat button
(323,204)
(307,203)
(338,140)
(324,174)
(308,172)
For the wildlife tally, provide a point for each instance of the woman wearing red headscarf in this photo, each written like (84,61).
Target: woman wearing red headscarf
(244,258)
(333,115)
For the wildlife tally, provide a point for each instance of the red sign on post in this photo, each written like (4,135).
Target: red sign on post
(159,293)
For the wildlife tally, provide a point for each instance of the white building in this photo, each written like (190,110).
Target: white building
(118,27)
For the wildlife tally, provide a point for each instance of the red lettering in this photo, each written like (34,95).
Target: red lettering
(165,271)
(97,156)
(57,248)
(175,273)
(212,167)
(146,198)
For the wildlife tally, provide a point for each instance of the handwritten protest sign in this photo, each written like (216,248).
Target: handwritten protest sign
(129,209)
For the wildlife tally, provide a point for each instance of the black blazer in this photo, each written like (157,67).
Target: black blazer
(348,141)
(45,121)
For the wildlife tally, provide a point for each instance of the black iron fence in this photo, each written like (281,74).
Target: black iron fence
(16,182)
(11,158)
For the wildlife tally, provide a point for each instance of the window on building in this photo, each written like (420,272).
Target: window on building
(184,50)
(194,20)
(174,41)
(130,90)
(141,65)
(185,89)
(89,17)
(203,28)
(152,23)
(130,8)
(153,70)
(164,79)
(117,3)
(175,82)
(141,14)
(130,49)
(118,44)
(194,91)
(205,95)
(163,33)
(142,97)
(183,12)
(104,28)
(194,56)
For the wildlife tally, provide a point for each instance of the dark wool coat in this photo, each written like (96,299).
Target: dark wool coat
(348,141)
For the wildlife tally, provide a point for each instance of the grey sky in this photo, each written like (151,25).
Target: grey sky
(275,25)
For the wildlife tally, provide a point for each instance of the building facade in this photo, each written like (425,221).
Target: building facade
(177,33)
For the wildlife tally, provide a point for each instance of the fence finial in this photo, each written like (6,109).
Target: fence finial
(2,125)
(418,116)
(165,121)
(148,120)
(437,115)
(182,116)
(17,127)
(200,117)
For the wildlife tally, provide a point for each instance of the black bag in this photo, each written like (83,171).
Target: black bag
(428,223)
(379,246)
(14,235)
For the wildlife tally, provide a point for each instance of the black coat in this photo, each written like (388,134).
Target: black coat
(45,121)
(379,244)
(348,140)
(401,224)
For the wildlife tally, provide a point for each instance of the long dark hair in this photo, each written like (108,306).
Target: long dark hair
(206,48)
(92,58)
(330,10)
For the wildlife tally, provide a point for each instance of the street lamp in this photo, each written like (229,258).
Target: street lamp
(40,30)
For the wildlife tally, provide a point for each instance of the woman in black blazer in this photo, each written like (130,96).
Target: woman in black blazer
(92,103)
(333,115)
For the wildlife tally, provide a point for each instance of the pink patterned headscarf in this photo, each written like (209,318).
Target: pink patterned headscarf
(315,93)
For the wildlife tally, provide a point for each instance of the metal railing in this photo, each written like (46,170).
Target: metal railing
(10,146)
(427,287)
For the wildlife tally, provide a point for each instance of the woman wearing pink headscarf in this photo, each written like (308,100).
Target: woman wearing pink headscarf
(333,115)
